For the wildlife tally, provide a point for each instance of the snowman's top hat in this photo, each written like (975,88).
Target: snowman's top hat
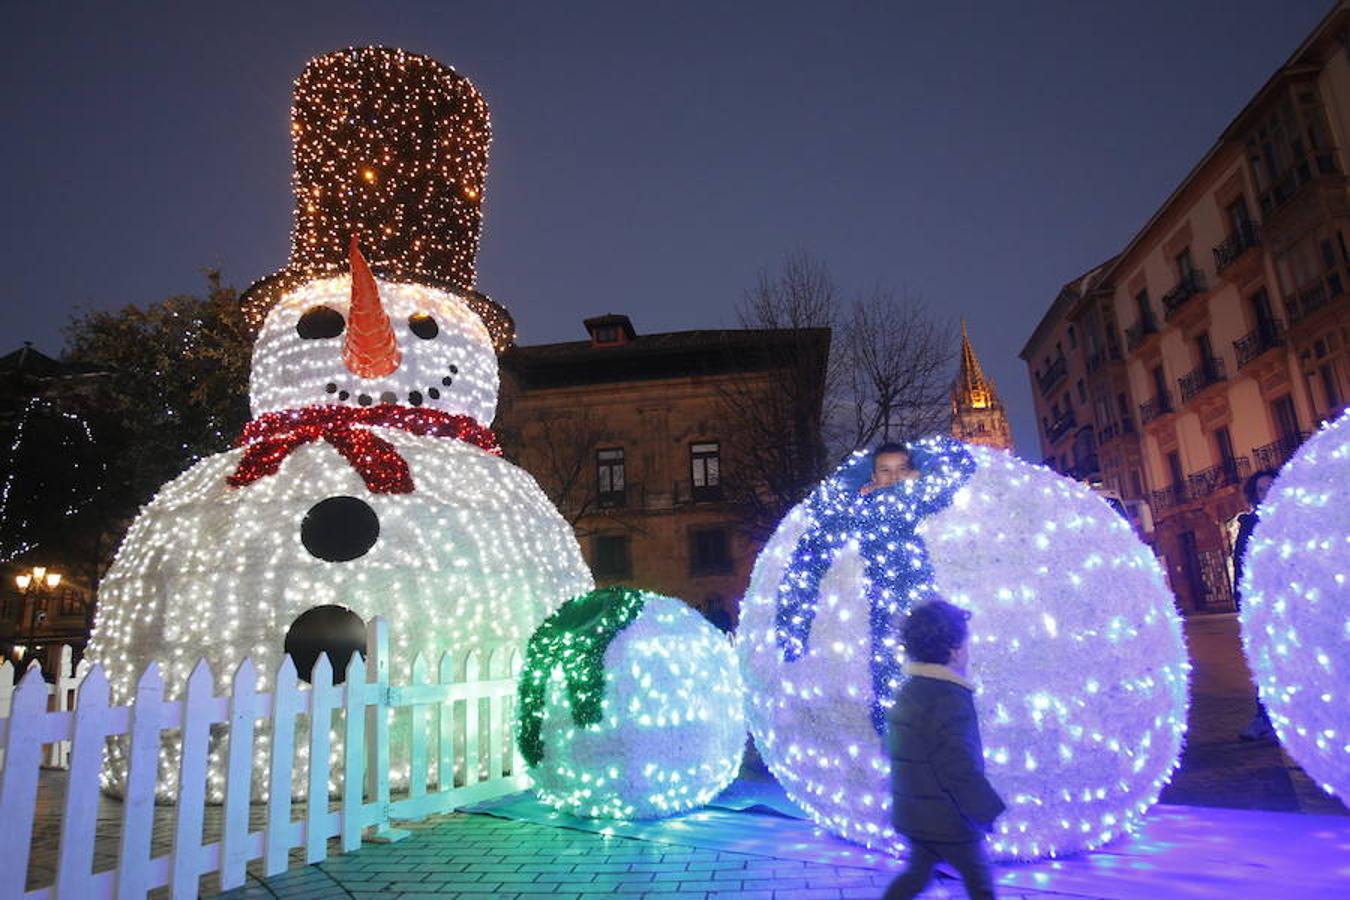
(390,146)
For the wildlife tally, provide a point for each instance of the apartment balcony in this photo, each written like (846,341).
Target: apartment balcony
(1101,358)
(1139,332)
(1233,250)
(1254,344)
(1275,454)
(1192,284)
(1061,426)
(1169,498)
(1228,473)
(1156,408)
(1115,430)
(1313,298)
(1292,180)
(1208,373)
(1053,375)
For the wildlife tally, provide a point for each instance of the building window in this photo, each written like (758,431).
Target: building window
(1330,387)
(607,334)
(705,470)
(609,476)
(1223,443)
(611,557)
(709,551)
(1137,483)
(1082,391)
(1073,339)
(1286,419)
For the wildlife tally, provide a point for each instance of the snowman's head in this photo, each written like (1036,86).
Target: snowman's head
(358,340)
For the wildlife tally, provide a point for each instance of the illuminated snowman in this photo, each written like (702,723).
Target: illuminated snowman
(1074,640)
(368,481)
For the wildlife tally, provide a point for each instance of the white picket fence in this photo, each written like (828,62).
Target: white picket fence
(61,697)
(366,698)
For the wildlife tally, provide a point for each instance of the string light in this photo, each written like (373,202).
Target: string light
(391,146)
(630,707)
(467,551)
(1296,606)
(1074,636)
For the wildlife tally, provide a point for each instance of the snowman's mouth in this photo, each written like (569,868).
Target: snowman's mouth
(412,398)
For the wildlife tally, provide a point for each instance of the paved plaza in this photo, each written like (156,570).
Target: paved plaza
(475,855)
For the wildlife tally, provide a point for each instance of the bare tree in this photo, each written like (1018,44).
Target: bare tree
(561,454)
(797,415)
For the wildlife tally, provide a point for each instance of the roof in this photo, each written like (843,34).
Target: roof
(28,360)
(1069,294)
(673,354)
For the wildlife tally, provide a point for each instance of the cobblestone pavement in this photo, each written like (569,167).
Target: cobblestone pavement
(474,855)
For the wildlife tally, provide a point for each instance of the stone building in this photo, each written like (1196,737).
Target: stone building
(633,436)
(1215,341)
(978,416)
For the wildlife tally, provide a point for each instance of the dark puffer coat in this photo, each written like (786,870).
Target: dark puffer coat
(939,792)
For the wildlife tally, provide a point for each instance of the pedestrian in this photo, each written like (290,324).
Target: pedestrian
(1256,486)
(941,801)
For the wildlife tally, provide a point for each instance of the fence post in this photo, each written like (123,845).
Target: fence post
(19,780)
(377,729)
(186,862)
(234,843)
(58,752)
(445,718)
(75,857)
(354,755)
(323,699)
(285,703)
(138,807)
(417,756)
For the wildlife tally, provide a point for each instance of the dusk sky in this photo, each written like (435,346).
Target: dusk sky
(648,159)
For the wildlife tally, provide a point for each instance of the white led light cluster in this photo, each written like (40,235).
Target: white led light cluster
(1075,642)
(1296,606)
(453,370)
(671,730)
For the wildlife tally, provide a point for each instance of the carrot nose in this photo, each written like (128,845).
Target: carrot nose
(371,350)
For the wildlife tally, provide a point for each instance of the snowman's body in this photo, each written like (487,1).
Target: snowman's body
(218,567)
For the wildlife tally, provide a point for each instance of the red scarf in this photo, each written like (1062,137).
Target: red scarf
(271,437)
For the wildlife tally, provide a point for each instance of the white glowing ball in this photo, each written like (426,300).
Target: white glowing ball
(1074,638)
(447,363)
(671,730)
(476,555)
(1296,606)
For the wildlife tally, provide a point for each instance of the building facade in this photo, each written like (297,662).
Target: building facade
(632,436)
(1216,340)
(978,416)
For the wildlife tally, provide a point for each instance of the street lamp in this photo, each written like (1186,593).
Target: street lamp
(36,584)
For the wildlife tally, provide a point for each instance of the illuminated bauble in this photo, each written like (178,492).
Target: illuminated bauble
(447,361)
(1074,639)
(1296,606)
(630,707)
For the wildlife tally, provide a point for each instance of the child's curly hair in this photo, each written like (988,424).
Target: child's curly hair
(933,630)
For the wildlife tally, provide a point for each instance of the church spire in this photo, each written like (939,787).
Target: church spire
(977,411)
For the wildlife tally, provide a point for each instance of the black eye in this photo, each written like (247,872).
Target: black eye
(423,325)
(320,322)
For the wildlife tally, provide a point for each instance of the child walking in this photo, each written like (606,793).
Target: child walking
(941,800)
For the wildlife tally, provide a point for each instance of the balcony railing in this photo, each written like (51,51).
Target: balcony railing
(1159,406)
(1247,236)
(1061,426)
(1191,284)
(1137,333)
(1266,336)
(1114,430)
(1284,188)
(1170,497)
(1308,301)
(1211,371)
(1228,473)
(1277,453)
(1101,358)
(1053,375)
